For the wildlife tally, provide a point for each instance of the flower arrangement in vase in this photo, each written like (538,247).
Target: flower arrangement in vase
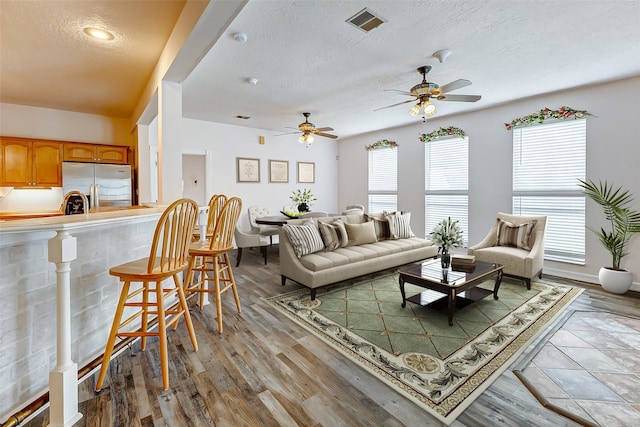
(304,198)
(446,235)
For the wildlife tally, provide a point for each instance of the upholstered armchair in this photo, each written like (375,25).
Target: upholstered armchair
(256,212)
(250,239)
(517,242)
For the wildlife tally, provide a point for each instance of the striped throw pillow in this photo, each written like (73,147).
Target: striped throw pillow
(305,239)
(515,236)
(334,235)
(381,225)
(399,226)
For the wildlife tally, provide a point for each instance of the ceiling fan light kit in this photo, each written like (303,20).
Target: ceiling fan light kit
(424,91)
(308,130)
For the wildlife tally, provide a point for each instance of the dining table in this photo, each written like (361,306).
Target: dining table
(273,220)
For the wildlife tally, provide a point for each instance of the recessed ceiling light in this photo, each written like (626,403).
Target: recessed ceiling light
(98,33)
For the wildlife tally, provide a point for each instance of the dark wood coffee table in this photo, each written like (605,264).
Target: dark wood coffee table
(459,286)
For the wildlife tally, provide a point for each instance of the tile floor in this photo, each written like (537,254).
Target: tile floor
(590,367)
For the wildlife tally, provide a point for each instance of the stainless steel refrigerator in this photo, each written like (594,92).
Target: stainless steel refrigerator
(104,185)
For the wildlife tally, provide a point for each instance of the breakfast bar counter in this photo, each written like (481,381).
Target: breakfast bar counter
(59,300)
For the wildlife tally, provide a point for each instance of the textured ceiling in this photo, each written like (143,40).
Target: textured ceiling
(307,58)
(46,60)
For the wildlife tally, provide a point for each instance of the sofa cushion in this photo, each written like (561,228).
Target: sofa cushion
(399,226)
(381,225)
(360,234)
(515,236)
(334,235)
(305,239)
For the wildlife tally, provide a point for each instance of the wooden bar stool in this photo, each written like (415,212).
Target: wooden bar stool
(211,259)
(216,203)
(167,258)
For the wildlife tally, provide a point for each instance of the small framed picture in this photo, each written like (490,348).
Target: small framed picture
(248,169)
(278,171)
(306,172)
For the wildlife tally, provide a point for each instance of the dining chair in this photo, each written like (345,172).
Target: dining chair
(250,239)
(167,258)
(211,259)
(255,212)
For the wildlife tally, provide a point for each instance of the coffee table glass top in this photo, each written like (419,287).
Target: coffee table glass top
(432,270)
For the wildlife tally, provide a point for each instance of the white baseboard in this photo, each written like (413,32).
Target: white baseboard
(589,278)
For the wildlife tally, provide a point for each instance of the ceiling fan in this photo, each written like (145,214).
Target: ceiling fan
(308,129)
(426,90)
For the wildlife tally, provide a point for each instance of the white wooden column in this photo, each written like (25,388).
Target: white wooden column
(63,379)
(169,142)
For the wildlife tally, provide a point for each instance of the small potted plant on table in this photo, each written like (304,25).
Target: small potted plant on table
(304,198)
(446,235)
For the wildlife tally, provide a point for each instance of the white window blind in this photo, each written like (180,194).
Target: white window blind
(548,160)
(383,180)
(447,183)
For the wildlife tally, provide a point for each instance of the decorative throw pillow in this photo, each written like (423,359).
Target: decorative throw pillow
(360,234)
(305,239)
(334,235)
(399,226)
(515,236)
(381,225)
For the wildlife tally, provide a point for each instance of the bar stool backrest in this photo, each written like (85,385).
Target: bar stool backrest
(226,224)
(216,203)
(170,246)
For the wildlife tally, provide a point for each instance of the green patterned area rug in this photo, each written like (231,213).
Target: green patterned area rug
(441,368)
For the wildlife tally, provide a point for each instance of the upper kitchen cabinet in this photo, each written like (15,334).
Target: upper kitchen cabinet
(27,163)
(92,153)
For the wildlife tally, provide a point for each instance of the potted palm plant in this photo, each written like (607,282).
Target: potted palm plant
(624,223)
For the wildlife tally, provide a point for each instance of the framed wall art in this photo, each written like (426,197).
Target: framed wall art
(306,172)
(278,171)
(248,169)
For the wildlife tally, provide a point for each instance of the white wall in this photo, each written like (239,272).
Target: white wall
(227,142)
(45,123)
(613,154)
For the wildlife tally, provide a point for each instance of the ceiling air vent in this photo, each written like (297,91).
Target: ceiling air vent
(243,117)
(365,20)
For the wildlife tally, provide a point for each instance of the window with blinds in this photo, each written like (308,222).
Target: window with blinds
(383,180)
(446,183)
(548,160)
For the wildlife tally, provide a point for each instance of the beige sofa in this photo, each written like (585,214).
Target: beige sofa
(330,266)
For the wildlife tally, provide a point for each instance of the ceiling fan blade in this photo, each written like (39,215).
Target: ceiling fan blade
(457,84)
(459,98)
(289,133)
(401,92)
(393,105)
(289,127)
(326,135)
(324,129)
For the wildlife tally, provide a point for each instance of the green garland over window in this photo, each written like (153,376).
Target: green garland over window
(562,113)
(442,133)
(383,143)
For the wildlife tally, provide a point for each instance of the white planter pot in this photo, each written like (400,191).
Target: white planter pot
(615,281)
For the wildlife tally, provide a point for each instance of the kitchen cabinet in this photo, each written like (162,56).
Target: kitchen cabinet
(93,153)
(27,163)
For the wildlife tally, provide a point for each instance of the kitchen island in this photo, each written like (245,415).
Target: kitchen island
(59,300)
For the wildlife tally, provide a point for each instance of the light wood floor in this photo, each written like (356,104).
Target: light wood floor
(265,370)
